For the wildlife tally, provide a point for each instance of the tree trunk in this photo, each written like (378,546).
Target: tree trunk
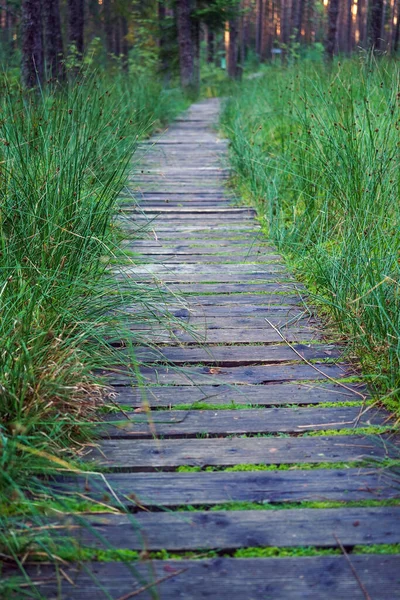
(233,70)
(76,23)
(124,44)
(32,69)
(53,39)
(210,45)
(375,25)
(108,29)
(117,37)
(259,27)
(361,22)
(396,35)
(162,40)
(349,32)
(299,19)
(186,47)
(330,42)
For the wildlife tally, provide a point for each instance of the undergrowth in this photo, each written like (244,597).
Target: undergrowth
(64,154)
(317,151)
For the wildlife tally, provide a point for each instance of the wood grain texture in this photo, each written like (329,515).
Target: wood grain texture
(189,423)
(212,488)
(229,530)
(142,455)
(311,578)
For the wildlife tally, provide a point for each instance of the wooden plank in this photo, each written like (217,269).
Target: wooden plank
(219,530)
(248,311)
(234,336)
(230,356)
(311,578)
(247,375)
(208,323)
(274,394)
(189,423)
(213,488)
(207,259)
(143,455)
(277,292)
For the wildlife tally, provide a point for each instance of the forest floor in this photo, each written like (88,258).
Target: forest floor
(246,458)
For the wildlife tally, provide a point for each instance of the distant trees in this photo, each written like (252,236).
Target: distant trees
(173,33)
(54,51)
(32,67)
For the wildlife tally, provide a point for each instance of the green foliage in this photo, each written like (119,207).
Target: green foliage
(64,158)
(317,151)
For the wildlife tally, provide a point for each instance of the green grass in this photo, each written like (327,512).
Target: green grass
(64,156)
(317,152)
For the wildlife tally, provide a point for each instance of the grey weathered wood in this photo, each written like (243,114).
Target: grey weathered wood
(189,423)
(209,323)
(285,292)
(235,336)
(311,578)
(270,395)
(213,488)
(248,528)
(247,375)
(230,356)
(139,455)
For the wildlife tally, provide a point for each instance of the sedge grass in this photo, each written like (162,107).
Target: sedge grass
(317,151)
(64,155)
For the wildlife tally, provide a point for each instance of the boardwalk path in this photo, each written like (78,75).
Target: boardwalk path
(242,397)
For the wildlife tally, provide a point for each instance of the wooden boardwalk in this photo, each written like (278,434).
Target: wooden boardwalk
(237,396)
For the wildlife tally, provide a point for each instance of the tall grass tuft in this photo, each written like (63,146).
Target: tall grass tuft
(317,150)
(64,155)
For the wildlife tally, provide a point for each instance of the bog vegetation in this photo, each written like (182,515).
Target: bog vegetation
(317,150)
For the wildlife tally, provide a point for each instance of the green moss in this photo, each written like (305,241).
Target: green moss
(372,430)
(377,549)
(275,552)
(275,467)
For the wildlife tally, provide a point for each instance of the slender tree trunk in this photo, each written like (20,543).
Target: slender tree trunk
(117,36)
(53,39)
(108,29)
(76,23)
(330,42)
(32,68)
(299,19)
(124,43)
(361,10)
(163,41)
(233,70)
(396,35)
(349,32)
(375,25)
(259,27)
(186,47)
(210,45)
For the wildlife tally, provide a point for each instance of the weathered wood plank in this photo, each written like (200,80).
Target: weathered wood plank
(208,489)
(235,336)
(235,293)
(311,578)
(205,323)
(139,455)
(230,356)
(271,395)
(189,423)
(248,528)
(247,375)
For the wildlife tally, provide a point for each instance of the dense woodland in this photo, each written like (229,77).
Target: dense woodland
(47,36)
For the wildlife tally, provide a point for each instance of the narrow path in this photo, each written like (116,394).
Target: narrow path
(234,413)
